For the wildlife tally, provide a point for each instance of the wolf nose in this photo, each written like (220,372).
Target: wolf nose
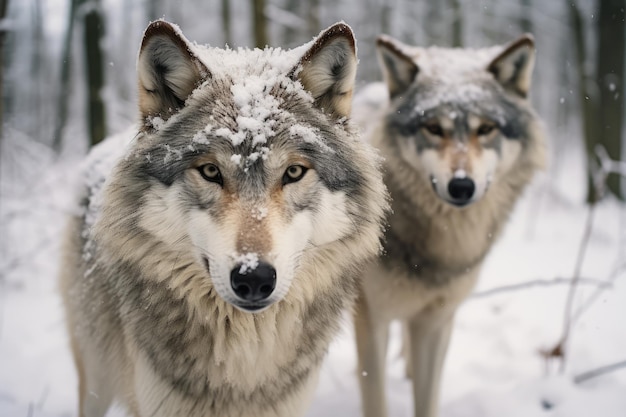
(253,285)
(461,189)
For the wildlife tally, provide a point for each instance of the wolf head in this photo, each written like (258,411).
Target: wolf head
(461,116)
(245,166)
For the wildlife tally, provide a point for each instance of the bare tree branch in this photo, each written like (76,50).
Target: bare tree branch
(585,376)
(593,297)
(569,304)
(539,283)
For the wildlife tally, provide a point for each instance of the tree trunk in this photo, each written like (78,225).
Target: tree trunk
(37,67)
(586,93)
(154,9)
(433,26)
(4,4)
(259,23)
(64,82)
(457,23)
(93,31)
(609,75)
(525,20)
(385,17)
(226,23)
(292,34)
(313,17)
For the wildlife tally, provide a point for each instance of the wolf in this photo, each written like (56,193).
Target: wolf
(460,141)
(219,241)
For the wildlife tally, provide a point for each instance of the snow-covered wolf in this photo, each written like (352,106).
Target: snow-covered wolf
(221,239)
(460,141)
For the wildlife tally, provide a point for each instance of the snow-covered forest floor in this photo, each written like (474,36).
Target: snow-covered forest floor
(494,368)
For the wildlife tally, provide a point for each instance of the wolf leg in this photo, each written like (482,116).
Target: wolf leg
(371,338)
(428,344)
(95,393)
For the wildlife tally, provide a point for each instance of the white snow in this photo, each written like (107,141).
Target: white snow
(172,154)
(309,135)
(200,137)
(156,122)
(253,74)
(460,173)
(249,261)
(236,159)
(259,213)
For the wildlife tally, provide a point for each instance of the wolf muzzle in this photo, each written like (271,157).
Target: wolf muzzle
(253,286)
(461,190)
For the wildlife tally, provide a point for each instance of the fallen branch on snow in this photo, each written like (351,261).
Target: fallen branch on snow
(540,283)
(585,376)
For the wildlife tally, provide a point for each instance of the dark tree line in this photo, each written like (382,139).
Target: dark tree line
(578,82)
(601,87)
(3,29)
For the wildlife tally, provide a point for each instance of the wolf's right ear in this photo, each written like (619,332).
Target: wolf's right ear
(399,69)
(513,67)
(168,70)
(328,70)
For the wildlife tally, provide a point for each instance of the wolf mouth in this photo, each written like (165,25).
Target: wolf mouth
(252,308)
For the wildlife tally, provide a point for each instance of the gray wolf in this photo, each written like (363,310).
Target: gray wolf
(219,241)
(460,141)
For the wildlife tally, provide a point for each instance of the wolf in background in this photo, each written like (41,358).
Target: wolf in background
(217,249)
(460,141)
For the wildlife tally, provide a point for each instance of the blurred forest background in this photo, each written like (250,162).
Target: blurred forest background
(68,66)
(68,79)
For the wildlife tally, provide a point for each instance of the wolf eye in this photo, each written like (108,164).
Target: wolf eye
(485,129)
(211,173)
(434,129)
(294,173)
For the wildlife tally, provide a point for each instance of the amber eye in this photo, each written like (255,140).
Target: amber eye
(211,173)
(434,129)
(294,173)
(485,129)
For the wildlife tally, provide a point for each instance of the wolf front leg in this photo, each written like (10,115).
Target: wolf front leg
(427,344)
(371,339)
(94,392)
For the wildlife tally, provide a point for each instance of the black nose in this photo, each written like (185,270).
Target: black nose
(461,189)
(253,285)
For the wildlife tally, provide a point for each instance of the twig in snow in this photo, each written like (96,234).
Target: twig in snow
(569,305)
(601,168)
(540,283)
(585,376)
(593,297)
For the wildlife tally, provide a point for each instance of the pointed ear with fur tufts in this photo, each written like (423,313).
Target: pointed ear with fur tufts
(513,67)
(328,70)
(168,70)
(399,69)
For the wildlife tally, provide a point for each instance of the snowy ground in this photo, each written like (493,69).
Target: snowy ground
(493,368)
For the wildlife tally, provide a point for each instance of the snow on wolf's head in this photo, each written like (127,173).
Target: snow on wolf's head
(461,116)
(247,167)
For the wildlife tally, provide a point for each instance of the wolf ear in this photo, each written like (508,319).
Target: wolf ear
(328,70)
(168,70)
(513,67)
(399,70)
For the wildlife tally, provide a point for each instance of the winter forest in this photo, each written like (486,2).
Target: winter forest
(544,334)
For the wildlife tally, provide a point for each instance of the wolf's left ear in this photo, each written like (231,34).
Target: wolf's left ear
(168,70)
(328,70)
(513,67)
(399,69)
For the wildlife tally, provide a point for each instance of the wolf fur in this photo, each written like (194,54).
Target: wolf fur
(243,161)
(452,115)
